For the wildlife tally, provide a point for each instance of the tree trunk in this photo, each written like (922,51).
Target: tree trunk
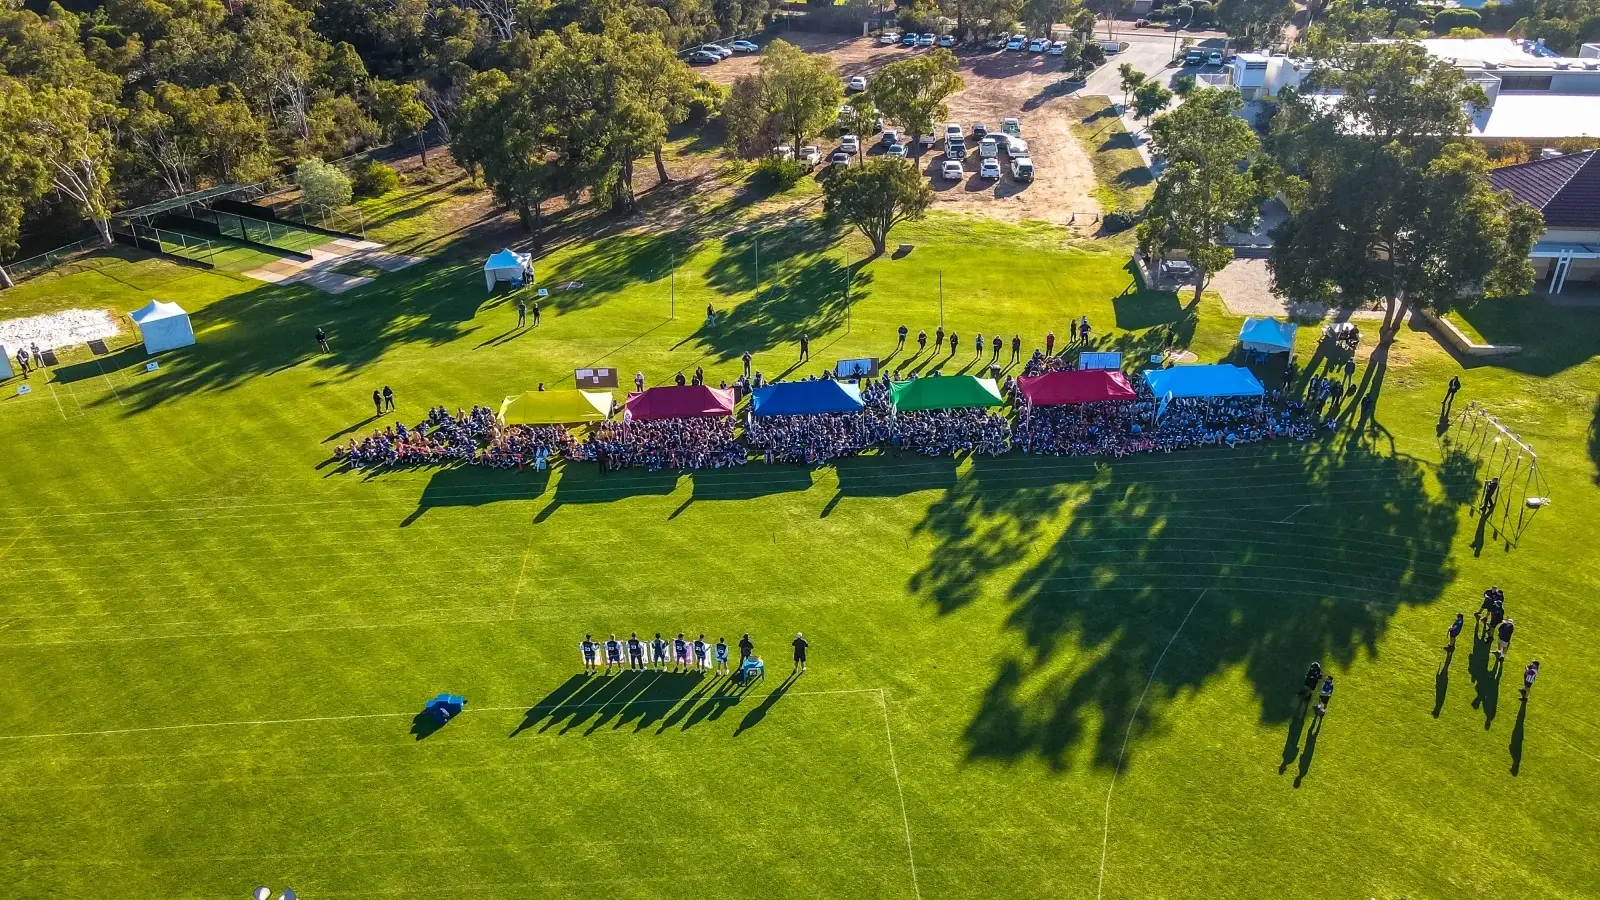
(422,141)
(5,278)
(1199,285)
(538,220)
(103,226)
(525,214)
(661,166)
(622,193)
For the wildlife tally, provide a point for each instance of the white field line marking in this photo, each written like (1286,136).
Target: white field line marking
(1293,514)
(904,819)
(1105,836)
(109,383)
(59,407)
(388,715)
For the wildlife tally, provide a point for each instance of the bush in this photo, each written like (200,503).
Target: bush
(1119,221)
(1407,28)
(1448,19)
(323,185)
(775,174)
(374,180)
(1093,55)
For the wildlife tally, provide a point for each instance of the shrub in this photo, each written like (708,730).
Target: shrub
(1118,221)
(322,185)
(1448,19)
(1093,55)
(775,174)
(374,180)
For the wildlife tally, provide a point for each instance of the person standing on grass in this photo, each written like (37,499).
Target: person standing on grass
(997,344)
(1073,323)
(699,376)
(700,648)
(388,399)
(800,645)
(1450,392)
(659,648)
(1083,330)
(1528,675)
(938,337)
(1016,348)
(22,361)
(590,651)
(1504,634)
(1313,675)
(1327,694)
(1490,489)
(978,345)
(679,380)
(722,656)
(377,402)
(322,340)
(522,313)
(680,653)
(805,347)
(903,332)
(635,652)
(746,647)
(922,340)
(1497,612)
(1050,344)
(746,358)
(954,339)
(536,313)
(1455,630)
(613,653)
(711,314)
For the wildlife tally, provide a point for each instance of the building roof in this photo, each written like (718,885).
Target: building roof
(1538,117)
(1564,189)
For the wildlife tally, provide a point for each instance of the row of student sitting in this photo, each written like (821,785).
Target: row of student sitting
(666,444)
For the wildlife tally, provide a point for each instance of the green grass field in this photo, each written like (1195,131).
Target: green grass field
(1030,676)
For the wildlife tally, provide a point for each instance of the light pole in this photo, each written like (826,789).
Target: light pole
(1180,28)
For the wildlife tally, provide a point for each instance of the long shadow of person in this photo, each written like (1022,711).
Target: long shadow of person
(1291,743)
(1486,681)
(1441,682)
(1309,751)
(551,703)
(754,716)
(1517,732)
(1478,536)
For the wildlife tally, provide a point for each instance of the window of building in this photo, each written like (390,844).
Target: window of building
(1525,82)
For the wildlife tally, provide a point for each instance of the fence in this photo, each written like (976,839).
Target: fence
(167,243)
(33,265)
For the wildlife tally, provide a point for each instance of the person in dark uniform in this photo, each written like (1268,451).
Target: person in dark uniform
(613,653)
(1504,634)
(938,337)
(1490,489)
(680,653)
(903,332)
(1497,613)
(1455,631)
(700,647)
(1313,675)
(1073,324)
(1450,392)
(922,341)
(377,402)
(954,339)
(722,656)
(658,648)
(322,340)
(977,345)
(805,346)
(590,651)
(1528,676)
(800,645)
(746,359)
(1327,694)
(1050,344)
(679,380)
(635,652)
(746,647)
(388,399)
(522,313)
(1016,348)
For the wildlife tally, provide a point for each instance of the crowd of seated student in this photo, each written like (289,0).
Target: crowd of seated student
(1110,428)
(1040,364)
(945,432)
(699,443)
(530,445)
(1121,428)
(440,438)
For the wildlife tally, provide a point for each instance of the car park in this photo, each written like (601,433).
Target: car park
(856,83)
(889,37)
(952,132)
(952,171)
(1011,125)
(955,149)
(839,158)
(947,40)
(996,43)
(927,39)
(1194,58)
(1016,42)
(1015,147)
(1058,48)
(910,40)
(979,130)
(743,47)
(1215,59)
(703,58)
(1037,45)
(809,155)
(1021,169)
(988,148)
(896,149)
(850,144)
(990,169)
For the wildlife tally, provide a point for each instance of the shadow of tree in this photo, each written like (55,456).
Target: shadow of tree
(1594,440)
(1302,551)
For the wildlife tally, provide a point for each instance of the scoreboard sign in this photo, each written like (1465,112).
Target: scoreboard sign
(596,378)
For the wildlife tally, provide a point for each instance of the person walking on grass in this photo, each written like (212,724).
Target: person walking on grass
(1450,391)
(388,399)
(1325,696)
(635,652)
(638,382)
(658,650)
(800,645)
(322,340)
(22,361)
(1504,634)
(1455,630)
(903,332)
(1490,489)
(1528,676)
(746,647)
(377,402)
(711,314)
(522,313)
(722,656)
(590,651)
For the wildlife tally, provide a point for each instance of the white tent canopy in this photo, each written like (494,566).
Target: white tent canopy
(507,265)
(164,326)
(5,364)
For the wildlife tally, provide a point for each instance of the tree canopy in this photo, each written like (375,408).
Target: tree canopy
(876,197)
(912,92)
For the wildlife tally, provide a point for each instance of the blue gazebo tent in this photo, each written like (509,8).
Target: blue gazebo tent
(1267,335)
(1203,381)
(799,398)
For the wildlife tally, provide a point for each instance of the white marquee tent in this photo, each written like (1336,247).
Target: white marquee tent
(164,326)
(5,364)
(508,265)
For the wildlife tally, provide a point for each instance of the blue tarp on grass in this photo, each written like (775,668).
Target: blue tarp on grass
(801,398)
(1203,381)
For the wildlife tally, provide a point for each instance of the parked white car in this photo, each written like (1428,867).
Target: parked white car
(889,37)
(1058,48)
(809,155)
(1215,59)
(1022,169)
(955,150)
(890,136)
(927,140)
(952,171)
(1016,147)
(952,131)
(927,39)
(857,83)
(743,47)
(990,169)
(850,144)
(897,150)
(839,158)
(1016,42)
(718,49)
(1011,125)
(783,151)
(845,112)
(947,40)
(1038,45)
(989,148)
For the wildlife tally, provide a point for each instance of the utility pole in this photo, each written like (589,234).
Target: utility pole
(847,298)
(941,298)
(672,287)
(758,265)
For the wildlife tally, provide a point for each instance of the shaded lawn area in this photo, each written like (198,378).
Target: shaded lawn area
(1020,631)
(1123,182)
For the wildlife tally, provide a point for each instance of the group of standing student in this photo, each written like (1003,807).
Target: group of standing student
(1490,623)
(680,653)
